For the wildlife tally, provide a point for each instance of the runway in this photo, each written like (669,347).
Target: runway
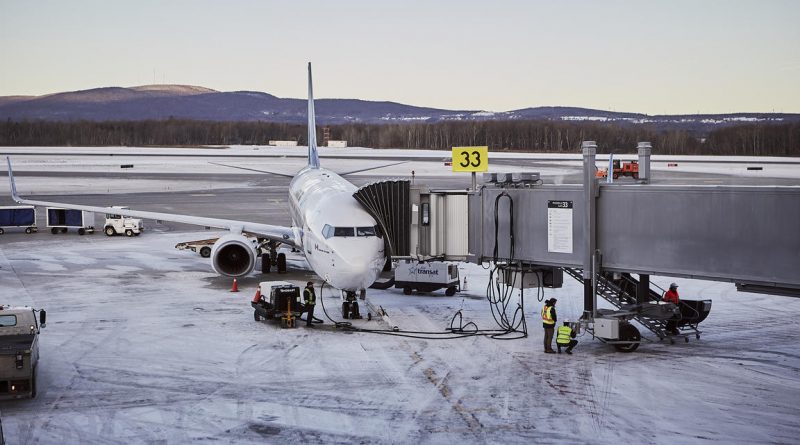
(145,344)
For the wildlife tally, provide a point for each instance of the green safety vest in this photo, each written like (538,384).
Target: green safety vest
(564,333)
(309,296)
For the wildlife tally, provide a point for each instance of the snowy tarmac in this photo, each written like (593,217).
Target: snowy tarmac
(145,344)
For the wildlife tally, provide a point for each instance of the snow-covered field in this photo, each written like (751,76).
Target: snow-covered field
(145,344)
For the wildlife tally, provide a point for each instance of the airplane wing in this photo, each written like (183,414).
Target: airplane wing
(282,234)
(292,176)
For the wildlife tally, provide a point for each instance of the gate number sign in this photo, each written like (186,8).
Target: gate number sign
(470,159)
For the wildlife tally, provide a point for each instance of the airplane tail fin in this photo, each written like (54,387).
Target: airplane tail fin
(14,194)
(313,156)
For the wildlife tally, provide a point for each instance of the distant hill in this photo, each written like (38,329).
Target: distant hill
(198,103)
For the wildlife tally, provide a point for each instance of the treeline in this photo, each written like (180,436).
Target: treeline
(532,136)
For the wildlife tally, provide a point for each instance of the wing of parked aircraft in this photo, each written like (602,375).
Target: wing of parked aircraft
(366,169)
(282,234)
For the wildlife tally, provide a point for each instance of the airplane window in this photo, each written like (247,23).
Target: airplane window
(343,231)
(365,231)
(327,231)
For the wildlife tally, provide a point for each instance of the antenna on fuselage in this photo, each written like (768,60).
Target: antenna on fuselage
(313,156)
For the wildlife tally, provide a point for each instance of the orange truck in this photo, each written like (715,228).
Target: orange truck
(621,169)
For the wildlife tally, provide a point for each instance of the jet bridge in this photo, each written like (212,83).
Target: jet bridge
(743,234)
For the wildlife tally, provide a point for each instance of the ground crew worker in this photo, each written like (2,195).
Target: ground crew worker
(671,296)
(566,337)
(310,299)
(549,323)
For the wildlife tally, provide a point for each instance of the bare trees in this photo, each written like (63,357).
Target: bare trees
(534,135)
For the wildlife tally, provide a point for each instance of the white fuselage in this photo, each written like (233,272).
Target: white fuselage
(338,237)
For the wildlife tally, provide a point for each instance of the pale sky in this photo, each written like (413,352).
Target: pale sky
(677,56)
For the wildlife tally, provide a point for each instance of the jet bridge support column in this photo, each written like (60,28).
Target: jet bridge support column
(589,149)
(643,289)
(644,149)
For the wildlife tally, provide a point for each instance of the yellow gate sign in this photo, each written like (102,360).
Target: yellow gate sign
(470,159)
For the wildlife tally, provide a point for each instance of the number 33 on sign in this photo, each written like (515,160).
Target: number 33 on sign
(470,159)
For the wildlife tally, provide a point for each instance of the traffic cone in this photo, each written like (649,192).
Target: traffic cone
(235,287)
(257,298)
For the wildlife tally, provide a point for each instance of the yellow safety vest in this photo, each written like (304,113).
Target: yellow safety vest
(546,317)
(564,333)
(309,296)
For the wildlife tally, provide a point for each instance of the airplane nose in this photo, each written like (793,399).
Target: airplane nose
(358,271)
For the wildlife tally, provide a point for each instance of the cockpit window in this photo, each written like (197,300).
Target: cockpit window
(327,231)
(343,231)
(365,231)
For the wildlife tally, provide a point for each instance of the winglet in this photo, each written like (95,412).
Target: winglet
(313,157)
(14,195)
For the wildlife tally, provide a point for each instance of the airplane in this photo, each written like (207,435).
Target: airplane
(341,242)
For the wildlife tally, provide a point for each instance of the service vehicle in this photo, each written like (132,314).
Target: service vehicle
(18,217)
(426,276)
(119,225)
(60,220)
(19,351)
(626,169)
(278,299)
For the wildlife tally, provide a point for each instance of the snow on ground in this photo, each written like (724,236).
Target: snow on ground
(146,344)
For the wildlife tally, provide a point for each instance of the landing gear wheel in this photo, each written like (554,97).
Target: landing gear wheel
(28,231)
(356,314)
(281,263)
(345,310)
(672,340)
(64,230)
(205,251)
(628,332)
(3,231)
(697,336)
(407,290)
(450,291)
(266,263)
(687,339)
(81,231)
(128,232)
(110,231)
(54,230)
(615,175)
(255,316)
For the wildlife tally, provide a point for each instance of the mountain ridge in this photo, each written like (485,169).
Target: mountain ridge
(165,101)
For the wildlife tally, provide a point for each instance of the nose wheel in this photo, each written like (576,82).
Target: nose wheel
(350,305)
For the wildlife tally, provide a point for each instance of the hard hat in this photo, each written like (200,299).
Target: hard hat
(675,285)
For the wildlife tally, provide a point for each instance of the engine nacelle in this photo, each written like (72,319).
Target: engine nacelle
(234,255)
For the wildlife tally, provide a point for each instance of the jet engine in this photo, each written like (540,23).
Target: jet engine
(234,255)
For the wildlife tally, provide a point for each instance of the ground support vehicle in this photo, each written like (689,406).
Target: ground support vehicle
(278,299)
(18,217)
(626,169)
(426,276)
(19,351)
(60,220)
(119,225)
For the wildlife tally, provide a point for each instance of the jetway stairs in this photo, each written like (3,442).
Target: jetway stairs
(621,292)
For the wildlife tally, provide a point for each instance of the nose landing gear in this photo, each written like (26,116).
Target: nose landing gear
(350,305)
